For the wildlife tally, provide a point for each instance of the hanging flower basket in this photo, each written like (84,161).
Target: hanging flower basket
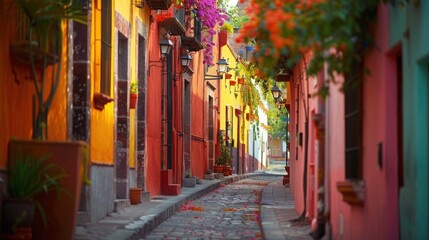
(232,83)
(228,76)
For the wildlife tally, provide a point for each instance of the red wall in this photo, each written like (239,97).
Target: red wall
(199,150)
(153,105)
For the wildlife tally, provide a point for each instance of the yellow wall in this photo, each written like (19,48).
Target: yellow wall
(228,98)
(102,122)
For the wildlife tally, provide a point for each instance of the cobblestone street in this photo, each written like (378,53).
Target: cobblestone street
(230,212)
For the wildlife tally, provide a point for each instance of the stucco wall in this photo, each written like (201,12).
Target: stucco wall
(408,27)
(16,91)
(379,120)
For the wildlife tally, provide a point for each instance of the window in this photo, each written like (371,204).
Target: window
(353,123)
(106,46)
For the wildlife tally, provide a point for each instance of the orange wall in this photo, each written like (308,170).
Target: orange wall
(16,94)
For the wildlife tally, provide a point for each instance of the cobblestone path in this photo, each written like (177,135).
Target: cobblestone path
(230,212)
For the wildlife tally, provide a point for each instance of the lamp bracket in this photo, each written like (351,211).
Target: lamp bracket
(154,64)
(212,77)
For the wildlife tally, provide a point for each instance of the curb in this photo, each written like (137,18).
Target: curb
(145,224)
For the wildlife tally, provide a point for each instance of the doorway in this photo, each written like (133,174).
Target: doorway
(122,119)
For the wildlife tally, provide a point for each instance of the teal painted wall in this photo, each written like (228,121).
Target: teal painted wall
(409,28)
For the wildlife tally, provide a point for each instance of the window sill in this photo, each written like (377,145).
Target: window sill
(353,192)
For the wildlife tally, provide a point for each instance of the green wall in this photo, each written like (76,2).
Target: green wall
(409,26)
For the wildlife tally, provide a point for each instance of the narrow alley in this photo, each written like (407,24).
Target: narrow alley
(214,119)
(251,206)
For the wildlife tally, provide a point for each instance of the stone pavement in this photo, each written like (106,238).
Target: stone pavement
(139,220)
(277,211)
(231,212)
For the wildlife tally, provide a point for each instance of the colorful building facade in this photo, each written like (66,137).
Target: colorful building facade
(359,171)
(172,130)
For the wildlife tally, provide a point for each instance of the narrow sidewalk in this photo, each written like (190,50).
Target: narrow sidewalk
(138,220)
(277,211)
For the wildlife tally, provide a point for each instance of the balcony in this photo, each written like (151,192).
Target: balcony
(192,39)
(159,4)
(175,24)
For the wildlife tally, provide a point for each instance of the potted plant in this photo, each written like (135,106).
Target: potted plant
(189,180)
(209,175)
(225,29)
(134,92)
(218,168)
(40,47)
(224,157)
(228,162)
(28,176)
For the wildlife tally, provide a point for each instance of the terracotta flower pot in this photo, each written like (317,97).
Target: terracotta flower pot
(133,100)
(218,169)
(60,209)
(223,37)
(226,170)
(135,196)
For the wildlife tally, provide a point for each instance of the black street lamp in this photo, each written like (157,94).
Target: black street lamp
(276,92)
(186,59)
(165,46)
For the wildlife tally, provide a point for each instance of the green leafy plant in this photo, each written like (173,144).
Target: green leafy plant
(188,174)
(29,175)
(134,88)
(224,158)
(227,27)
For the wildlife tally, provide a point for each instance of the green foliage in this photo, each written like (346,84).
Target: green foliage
(29,175)
(134,87)
(236,17)
(277,121)
(224,158)
(337,32)
(188,174)
(227,27)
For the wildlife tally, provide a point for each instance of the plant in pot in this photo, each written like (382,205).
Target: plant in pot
(134,93)
(224,157)
(209,175)
(228,162)
(189,180)
(28,176)
(40,47)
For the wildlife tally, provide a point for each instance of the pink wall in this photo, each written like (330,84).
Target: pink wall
(378,218)
(300,88)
